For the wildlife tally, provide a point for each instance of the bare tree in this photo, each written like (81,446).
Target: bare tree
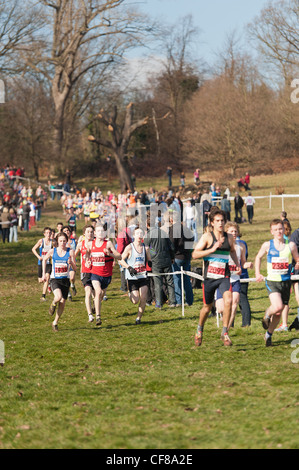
(18,28)
(277,32)
(83,36)
(119,139)
(179,77)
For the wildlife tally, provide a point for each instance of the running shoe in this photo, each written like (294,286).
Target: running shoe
(226,339)
(265,322)
(295,325)
(52,309)
(282,328)
(137,321)
(69,297)
(198,338)
(54,327)
(98,321)
(268,340)
(172,305)
(90,318)
(157,305)
(43,299)
(74,290)
(105,297)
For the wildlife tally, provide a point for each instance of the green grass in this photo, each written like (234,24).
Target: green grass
(124,386)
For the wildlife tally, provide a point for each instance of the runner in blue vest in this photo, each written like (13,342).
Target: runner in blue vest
(279,253)
(63,258)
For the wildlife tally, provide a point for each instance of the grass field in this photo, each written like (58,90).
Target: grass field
(124,386)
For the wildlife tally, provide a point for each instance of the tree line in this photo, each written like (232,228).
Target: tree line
(71,102)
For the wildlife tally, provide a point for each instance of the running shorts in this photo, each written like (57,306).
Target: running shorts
(62,284)
(86,279)
(281,287)
(136,284)
(40,270)
(211,285)
(104,281)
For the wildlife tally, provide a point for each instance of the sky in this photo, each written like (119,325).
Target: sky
(215,19)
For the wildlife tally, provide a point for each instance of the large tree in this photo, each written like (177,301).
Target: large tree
(120,132)
(84,38)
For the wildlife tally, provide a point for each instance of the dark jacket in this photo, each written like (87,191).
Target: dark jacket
(181,249)
(161,248)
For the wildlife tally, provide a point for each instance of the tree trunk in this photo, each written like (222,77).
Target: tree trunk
(124,174)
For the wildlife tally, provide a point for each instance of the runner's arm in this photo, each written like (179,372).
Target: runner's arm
(44,262)
(36,246)
(263,250)
(200,250)
(112,251)
(126,254)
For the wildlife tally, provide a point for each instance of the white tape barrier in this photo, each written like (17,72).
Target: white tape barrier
(198,276)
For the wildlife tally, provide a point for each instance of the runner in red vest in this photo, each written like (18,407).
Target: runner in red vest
(100,256)
(84,242)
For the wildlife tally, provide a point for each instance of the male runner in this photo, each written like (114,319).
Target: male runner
(279,259)
(40,249)
(215,247)
(83,244)
(134,259)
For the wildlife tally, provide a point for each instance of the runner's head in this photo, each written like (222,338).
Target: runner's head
(287,228)
(62,240)
(59,226)
(277,229)
(47,232)
(138,235)
(100,232)
(232,228)
(66,229)
(88,231)
(217,219)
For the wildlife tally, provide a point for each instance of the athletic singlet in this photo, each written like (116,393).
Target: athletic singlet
(43,250)
(60,265)
(101,264)
(83,250)
(232,266)
(279,263)
(138,262)
(72,221)
(216,264)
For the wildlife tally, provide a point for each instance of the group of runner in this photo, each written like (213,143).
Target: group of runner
(219,248)
(223,259)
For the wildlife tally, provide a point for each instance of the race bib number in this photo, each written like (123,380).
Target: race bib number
(232,268)
(98,259)
(216,270)
(280,265)
(61,269)
(141,269)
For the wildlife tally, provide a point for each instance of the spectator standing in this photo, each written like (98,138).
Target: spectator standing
(5,223)
(249,203)
(182,240)
(239,203)
(13,231)
(196,175)
(169,174)
(162,254)
(247,181)
(226,206)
